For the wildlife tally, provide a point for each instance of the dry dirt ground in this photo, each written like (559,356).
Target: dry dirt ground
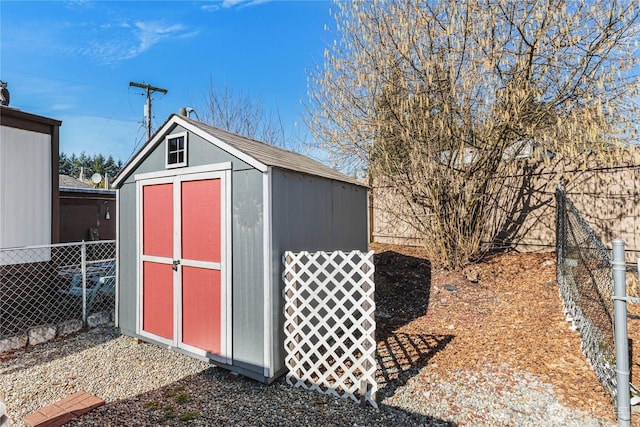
(506,310)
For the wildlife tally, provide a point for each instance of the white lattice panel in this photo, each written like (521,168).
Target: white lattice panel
(329,323)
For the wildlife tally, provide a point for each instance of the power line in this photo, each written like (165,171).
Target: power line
(73,82)
(108,120)
(135,147)
(147,113)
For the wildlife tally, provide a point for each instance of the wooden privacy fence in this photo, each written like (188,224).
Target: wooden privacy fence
(607,197)
(329,323)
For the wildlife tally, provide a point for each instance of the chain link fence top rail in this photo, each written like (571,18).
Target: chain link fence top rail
(586,287)
(51,284)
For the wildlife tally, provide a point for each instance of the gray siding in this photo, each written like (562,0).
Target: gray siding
(248,270)
(200,152)
(127,268)
(312,214)
(247,248)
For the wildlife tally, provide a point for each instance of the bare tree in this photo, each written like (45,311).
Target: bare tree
(243,114)
(441,101)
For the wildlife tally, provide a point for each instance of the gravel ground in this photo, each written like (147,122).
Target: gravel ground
(146,385)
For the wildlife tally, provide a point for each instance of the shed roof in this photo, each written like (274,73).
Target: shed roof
(263,155)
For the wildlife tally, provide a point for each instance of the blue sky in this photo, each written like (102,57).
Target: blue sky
(73,61)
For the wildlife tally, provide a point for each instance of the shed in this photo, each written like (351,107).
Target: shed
(204,217)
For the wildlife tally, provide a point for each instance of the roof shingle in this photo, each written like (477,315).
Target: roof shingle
(265,154)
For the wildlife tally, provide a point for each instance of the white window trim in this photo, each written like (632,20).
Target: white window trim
(166,150)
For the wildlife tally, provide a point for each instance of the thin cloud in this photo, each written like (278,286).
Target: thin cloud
(78,3)
(60,96)
(228,4)
(111,43)
(63,107)
(152,33)
(94,30)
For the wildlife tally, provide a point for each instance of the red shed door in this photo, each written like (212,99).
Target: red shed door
(182,300)
(157,260)
(201,264)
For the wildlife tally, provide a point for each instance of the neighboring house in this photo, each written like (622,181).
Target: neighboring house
(29,210)
(205,216)
(526,149)
(86,213)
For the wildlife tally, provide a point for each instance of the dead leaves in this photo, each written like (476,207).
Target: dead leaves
(511,315)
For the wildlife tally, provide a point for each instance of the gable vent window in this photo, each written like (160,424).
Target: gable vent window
(176,150)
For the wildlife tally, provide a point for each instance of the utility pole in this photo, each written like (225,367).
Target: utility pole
(147,112)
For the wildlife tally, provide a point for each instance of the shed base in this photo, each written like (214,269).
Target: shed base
(245,372)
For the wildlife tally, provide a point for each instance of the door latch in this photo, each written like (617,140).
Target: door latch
(176,263)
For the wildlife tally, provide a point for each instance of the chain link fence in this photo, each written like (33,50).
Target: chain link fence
(52,284)
(586,288)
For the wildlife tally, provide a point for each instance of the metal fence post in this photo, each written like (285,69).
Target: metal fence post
(83,266)
(620,329)
(560,225)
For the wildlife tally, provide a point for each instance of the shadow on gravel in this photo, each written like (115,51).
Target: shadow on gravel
(401,356)
(34,355)
(403,285)
(215,398)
